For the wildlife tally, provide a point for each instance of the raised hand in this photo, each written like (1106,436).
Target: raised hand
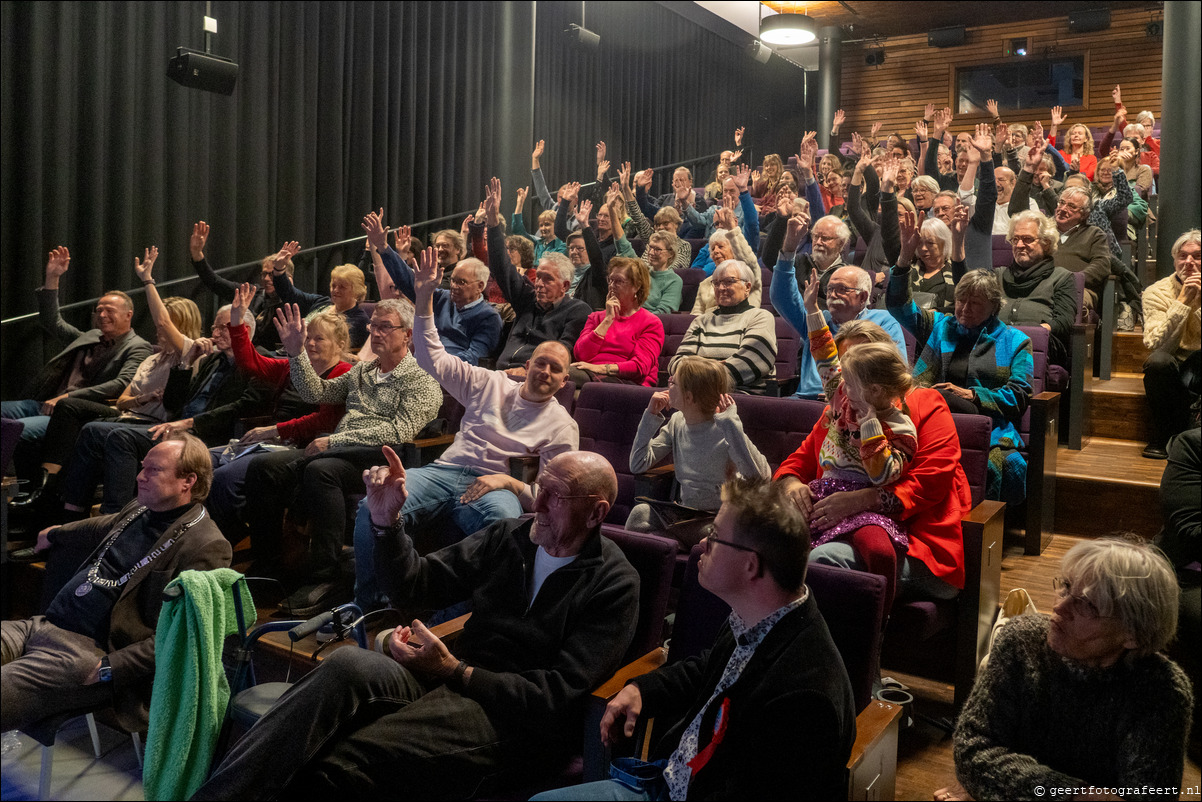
(602,169)
(1037,130)
(624,182)
(724,218)
(286,252)
(741,174)
(735,155)
(1120,120)
(404,242)
(982,141)
(478,218)
(492,202)
(876,126)
(739,137)
(840,118)
(537,154)
(583,212)
(600,152)
(426,278)
(920,130)
(960,216)
(1117,95)
(809,293)
(909,230)
(570,191)
(928,112)
(643,179)
(1001,135)
(991,106)
(56,264)
(290,323)
(373,225)
(612,194)
(1035,154)
(143,267)
(659,403)
(798,227)
(1058,116)
(521,199)
(243,294)
(196,243)
(889,177)
(386,491)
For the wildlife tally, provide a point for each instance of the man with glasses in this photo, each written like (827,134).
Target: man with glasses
(468,325)
(1083,247)
(735,333)
(470,485)
(554,607)
(578,255)
(848,290)
(769,709)
(544,312)
(1038,292)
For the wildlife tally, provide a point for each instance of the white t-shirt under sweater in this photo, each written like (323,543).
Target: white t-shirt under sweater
(700,452)
(544,566)
(498,422)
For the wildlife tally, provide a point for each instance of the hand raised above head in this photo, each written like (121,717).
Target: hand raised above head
(290,324)
(144,267)
(57,262)
(377,234)
(492,202)
(196,243)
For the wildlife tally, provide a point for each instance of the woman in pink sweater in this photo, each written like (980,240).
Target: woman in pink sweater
(622,342)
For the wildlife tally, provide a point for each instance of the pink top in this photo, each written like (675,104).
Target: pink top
(633,343)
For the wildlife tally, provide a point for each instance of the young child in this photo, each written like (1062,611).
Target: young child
(706,424)
(869,439)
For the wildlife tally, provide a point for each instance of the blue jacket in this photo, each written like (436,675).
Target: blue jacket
(471,334)
(786,299)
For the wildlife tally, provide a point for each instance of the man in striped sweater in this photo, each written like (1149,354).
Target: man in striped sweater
(735,333)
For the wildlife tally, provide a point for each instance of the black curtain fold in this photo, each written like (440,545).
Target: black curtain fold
(340,107)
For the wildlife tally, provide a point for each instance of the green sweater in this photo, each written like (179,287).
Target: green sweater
(665,295)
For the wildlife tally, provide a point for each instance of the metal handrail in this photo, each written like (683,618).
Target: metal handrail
(312,250)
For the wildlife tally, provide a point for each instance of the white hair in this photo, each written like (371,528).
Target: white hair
(939,230)
(248,319)
(478,268)
(744,271)
(560,264)
(399,307)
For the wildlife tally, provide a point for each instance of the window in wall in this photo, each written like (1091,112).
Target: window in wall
(1038,84)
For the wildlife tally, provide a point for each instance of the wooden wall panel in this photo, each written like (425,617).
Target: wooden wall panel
(915,73)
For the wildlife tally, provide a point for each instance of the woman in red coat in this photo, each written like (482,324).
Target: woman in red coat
(930,498)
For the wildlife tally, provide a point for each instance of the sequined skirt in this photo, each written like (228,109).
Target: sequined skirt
(821,488)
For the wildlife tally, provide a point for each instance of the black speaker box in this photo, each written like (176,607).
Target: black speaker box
(203,71)
(946,37)
(1089,20)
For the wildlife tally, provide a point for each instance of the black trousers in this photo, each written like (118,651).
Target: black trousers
(70,416)
(1170,385)
(317,489)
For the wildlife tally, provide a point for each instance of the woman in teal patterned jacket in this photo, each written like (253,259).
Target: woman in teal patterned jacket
(978,363)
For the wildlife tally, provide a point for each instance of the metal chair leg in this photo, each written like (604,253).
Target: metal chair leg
(137,747)
(47,770)
(91,719)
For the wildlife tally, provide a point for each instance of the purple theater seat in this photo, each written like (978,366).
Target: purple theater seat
(675,327)
(777,426)
(696,245)
(608,416)
(1003,252)
(692,278)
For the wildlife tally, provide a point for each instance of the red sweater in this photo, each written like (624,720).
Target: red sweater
(933,492)
(1087,165)
(276,371)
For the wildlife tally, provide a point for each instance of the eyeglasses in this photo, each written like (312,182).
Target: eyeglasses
(461,282)
(727,283)
(618,281)
(840,289)
(1066,205)
(383,328)
(1080,606)
(823,237)
(220,326)
(1019,239)
(657,249)
(556,497)
(709,540)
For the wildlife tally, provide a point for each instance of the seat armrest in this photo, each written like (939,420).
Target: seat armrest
(655,483)
(424,450)
(984,529)
(524,468)
(872,768)
(596,755)
(644,665)
(1040,516)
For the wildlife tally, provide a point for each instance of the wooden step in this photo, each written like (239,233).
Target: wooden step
(1117,409)
(1106,487)
(1129,352)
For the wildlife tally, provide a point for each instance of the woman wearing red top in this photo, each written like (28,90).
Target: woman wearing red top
(1078,145)
(930,499)
(327,340)
(623,341)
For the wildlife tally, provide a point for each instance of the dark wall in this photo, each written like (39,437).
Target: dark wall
(339,108)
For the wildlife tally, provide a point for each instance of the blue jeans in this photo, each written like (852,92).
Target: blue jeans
(603,790)
(916,580)
(433,491)
(227,497)
(28,412)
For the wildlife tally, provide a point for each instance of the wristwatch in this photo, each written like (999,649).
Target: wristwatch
(106,670)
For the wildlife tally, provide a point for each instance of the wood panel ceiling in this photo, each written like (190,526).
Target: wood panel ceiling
(869,19)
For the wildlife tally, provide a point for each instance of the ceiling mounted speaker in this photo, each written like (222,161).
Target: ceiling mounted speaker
(203,71)
(760,52)
(788,30)
(874,58)
(946,37)
(1154,29)
(1089,20)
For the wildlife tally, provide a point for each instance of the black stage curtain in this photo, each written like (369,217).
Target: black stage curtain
(340,107)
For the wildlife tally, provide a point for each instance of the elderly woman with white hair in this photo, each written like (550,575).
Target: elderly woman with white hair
(734,332)
(727,243)
(1082,699)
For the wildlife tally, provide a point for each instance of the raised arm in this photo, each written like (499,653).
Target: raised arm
(143,269)
(223,288)
(49,316)
(536,177)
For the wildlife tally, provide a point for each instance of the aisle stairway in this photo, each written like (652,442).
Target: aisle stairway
(1107,485)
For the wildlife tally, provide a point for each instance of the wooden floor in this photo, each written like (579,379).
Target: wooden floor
(924,759)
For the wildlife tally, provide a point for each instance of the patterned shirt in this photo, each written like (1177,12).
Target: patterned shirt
(686,757)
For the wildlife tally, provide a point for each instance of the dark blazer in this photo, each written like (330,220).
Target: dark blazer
(236,397)
(111,379)
(791,721)
(130,645)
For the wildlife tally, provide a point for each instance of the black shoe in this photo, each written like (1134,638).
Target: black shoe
(31,497)
(1155,451)
(27,555)
(310,600)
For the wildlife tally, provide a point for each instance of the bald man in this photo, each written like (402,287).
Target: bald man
(503,418)
(554,608)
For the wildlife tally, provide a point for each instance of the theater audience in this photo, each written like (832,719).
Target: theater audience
(545,240)
(592,287)
(849,289)
(543,311)
(94,646)
(265,304)
(727,242)
(1081,698)
(348,289)
(735,333)
(621,343)
(1173,333)
(470,483)
(1078,150)
(96,365)
(666,221)
(978,364)
(467,325)
(863,211)
(554,606)
(727,720)
(735,196)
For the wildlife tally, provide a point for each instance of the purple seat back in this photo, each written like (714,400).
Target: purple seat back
(654,558)
(639,245)
(674,328)
(1003,252)
(608,416)
(787,343)
(696,245)
(692,278)
(974,432)
(851,602)
(1084,315)
(777,426)
(766,296)
(368,307)
(1039,379)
